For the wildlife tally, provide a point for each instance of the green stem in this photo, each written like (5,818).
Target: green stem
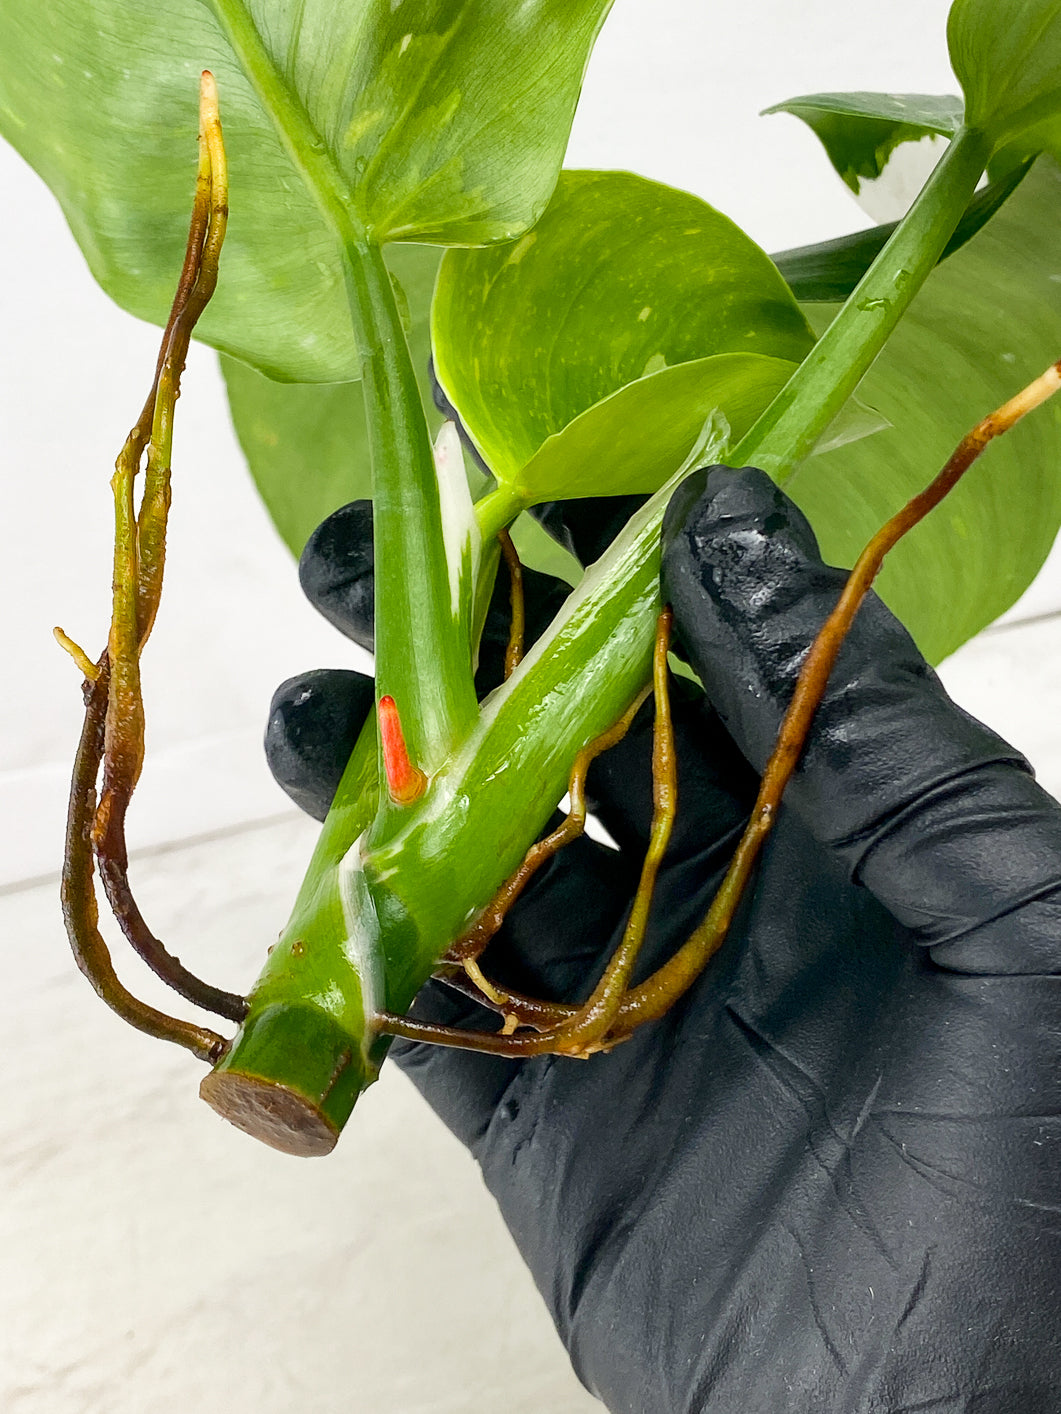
(423,653)
(378,908)
(789,428)
(423,658)
(373,915)
(497,510)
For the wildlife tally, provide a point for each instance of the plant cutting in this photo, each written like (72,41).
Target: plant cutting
(376,154)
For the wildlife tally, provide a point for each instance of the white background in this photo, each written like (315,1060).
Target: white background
(151,1255)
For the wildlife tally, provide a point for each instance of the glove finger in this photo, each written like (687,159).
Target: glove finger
(930,810)
(314,722)
(336,569)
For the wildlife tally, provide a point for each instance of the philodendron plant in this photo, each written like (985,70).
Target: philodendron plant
(597,334)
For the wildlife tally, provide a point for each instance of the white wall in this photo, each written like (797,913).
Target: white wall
(153,1256)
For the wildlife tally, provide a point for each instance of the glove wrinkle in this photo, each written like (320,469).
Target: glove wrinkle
(925,806)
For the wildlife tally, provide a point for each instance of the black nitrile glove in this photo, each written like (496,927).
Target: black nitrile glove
(830,1178)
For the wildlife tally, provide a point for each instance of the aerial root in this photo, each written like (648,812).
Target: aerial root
(112,740)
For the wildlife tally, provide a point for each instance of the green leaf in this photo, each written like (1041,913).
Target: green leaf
(832,269)
(860,131)
(461,113)
(633,441)
(537,548)
(1007,56)
(621,279)
(983,326)
(306,444)
(445,119)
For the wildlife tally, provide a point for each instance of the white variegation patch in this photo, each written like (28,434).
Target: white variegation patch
(460,529)
(890,196)
(358,942)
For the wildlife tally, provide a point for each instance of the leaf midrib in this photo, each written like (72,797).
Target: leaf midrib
(308,150)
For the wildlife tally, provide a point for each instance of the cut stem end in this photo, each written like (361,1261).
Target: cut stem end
(290,1079)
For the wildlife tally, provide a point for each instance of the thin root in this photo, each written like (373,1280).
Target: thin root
(488,990)
(89,669)
(472,943)
(576,1031)
(514,651)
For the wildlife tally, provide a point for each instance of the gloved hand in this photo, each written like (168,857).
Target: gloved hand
(828,1179)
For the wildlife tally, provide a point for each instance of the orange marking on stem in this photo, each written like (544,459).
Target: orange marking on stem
(405,782)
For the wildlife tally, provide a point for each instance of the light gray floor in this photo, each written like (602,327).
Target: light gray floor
(154,1257)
